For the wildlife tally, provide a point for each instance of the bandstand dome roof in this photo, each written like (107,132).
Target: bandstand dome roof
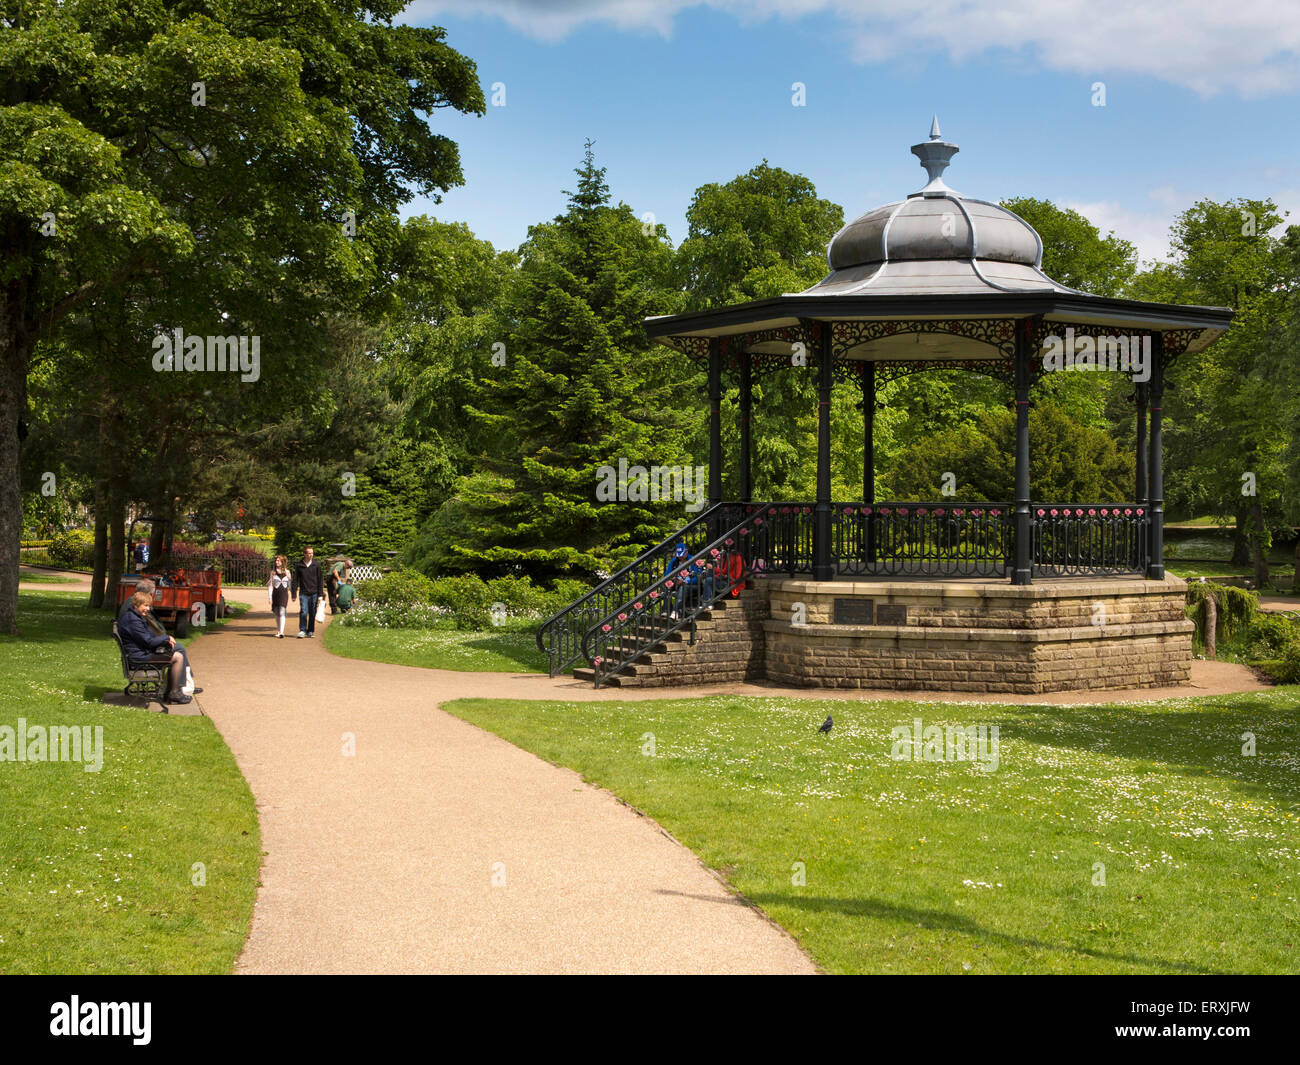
(936,256)
(936,240)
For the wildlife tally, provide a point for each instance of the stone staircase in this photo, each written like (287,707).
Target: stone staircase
(727,647)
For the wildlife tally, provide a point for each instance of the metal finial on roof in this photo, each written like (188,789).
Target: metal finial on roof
(935,155)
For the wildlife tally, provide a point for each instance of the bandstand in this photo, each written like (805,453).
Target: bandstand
(1022,595)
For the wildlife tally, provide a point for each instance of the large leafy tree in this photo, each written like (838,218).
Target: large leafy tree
(981,454)
(579,390)
(762,234)
(236,143)
(447,292)
(1230,412)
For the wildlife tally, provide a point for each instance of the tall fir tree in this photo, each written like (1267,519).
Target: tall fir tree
(581,388)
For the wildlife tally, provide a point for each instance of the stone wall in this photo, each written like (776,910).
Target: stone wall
(984,637)
(990,637)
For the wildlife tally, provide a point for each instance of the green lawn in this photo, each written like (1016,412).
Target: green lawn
(493,651)
(96,868)
(946,867)
(45,578)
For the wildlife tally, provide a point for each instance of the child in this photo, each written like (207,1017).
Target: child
(277,591)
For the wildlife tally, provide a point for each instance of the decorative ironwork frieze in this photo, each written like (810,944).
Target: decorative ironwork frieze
(760,362)
(998,333)
(1177,341)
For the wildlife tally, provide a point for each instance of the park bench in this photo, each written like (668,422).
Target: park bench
(149,678)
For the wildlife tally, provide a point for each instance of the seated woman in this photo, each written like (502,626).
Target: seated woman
(144,645)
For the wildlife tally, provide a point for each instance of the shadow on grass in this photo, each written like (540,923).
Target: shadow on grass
(507,646)
(878,909)
(1180,738)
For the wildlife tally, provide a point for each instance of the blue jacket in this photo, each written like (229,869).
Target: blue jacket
(138,638)
(679,562)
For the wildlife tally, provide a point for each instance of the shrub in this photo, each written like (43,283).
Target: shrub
(1288,671)
(74,549)
(182,551)
(1268,635)
(407,598)
(1237,608)
(399,588)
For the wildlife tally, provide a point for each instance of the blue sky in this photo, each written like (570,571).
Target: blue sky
(1201,101)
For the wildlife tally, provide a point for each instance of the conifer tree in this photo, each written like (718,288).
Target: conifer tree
(572,387)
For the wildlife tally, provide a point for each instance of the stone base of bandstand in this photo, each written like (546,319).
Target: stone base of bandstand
(1063,634)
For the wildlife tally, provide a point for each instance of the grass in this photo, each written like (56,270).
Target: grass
(946,867)
(45,578)
(493,651)
(97,869)
(1212,521)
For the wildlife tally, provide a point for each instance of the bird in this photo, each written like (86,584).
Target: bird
(827,724)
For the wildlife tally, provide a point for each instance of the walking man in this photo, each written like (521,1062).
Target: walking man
(307,583)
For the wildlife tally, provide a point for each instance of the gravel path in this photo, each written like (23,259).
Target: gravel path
(436,846)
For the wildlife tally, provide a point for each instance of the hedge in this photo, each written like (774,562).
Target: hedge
(409,599)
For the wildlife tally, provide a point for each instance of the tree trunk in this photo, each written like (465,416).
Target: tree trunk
(116,518)
(101,547)
(1240,540)
(15,355)
(1259,544)
(1211,626)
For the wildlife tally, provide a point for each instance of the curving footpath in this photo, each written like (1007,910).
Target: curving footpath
(384,860)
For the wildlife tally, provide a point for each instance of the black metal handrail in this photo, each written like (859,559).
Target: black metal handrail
(687,589)
(943,538)
(560,636)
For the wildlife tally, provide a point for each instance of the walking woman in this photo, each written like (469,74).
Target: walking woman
(277,591)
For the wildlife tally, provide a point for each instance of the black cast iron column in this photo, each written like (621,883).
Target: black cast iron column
(823,567)
(1156,478)
(1141,442)
(1022,572)
(746,411)
(869,453)
(715,420)
(1144,541)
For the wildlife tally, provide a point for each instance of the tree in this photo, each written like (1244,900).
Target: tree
(578,391)
(762,234)
(1229,415)
(132,138)
(1070,462)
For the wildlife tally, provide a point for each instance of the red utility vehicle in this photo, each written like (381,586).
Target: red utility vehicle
(181,594)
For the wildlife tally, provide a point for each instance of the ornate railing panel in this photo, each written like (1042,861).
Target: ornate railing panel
(921,539)
(673,603)
(782,542)
(1081,539)
(560,637)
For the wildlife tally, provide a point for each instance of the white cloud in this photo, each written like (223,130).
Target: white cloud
(1250,47)
(1148,231)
